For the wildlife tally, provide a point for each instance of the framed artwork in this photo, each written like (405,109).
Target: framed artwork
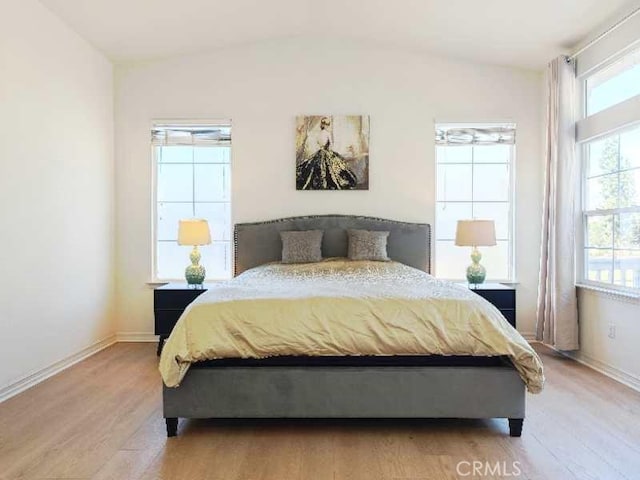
(332,152)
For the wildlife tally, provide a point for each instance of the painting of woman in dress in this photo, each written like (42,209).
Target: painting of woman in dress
(332,152)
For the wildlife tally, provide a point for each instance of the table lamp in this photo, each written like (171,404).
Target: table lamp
(194,232)
(476,233)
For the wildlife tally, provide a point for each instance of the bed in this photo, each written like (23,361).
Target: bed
(338,381)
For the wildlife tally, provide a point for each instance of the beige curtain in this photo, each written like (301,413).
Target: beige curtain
(557,314)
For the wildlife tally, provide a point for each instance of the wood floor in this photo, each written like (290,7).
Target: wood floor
(101,419)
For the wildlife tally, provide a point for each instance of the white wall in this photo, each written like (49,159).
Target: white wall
(263,87)
(56,192)
(619,356)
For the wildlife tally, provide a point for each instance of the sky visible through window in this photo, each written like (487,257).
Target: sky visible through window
(614,84)
(193,181)
(473,182)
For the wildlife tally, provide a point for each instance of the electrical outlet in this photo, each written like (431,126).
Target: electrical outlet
(612,331)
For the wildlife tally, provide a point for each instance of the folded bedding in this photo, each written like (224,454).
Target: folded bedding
(341,307)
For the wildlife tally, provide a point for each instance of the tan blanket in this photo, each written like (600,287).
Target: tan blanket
(339,307)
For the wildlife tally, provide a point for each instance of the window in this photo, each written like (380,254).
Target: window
(192,166)
(611,187)
(608,137)
(474,169)
(613,84)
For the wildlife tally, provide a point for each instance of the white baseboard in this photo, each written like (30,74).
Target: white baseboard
(610,371)
(529,336)
(136,337)
(57,367)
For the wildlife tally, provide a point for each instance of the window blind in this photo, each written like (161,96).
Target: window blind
(467,135)
(164,135)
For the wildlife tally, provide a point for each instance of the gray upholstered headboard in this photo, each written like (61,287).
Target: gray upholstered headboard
(259,243)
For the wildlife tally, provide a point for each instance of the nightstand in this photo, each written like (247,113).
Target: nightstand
(503,297)
(169,301)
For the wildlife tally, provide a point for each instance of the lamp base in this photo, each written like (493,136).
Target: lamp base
(195,273)
(476,273)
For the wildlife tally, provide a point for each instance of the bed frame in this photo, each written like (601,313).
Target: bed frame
(439,389)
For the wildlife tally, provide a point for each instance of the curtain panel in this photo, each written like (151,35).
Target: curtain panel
(557,311)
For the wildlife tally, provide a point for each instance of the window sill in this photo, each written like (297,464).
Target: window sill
(610,292)
(160,283)
(514,283)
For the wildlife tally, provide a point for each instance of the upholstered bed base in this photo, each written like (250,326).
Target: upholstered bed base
(347,392)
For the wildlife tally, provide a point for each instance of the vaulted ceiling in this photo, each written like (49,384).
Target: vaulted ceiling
(524,33)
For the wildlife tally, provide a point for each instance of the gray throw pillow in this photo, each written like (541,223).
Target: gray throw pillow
(301,246)
(368,245)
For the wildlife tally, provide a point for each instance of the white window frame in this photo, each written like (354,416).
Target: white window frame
(583,279)
(615,119)
(154,201)
(512,268)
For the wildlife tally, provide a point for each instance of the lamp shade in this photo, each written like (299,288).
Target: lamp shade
(194,232)
(475,233)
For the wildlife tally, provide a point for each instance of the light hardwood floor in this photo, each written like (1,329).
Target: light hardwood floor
(101,419)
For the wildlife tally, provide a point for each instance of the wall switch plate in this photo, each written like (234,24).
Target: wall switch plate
(612,331)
